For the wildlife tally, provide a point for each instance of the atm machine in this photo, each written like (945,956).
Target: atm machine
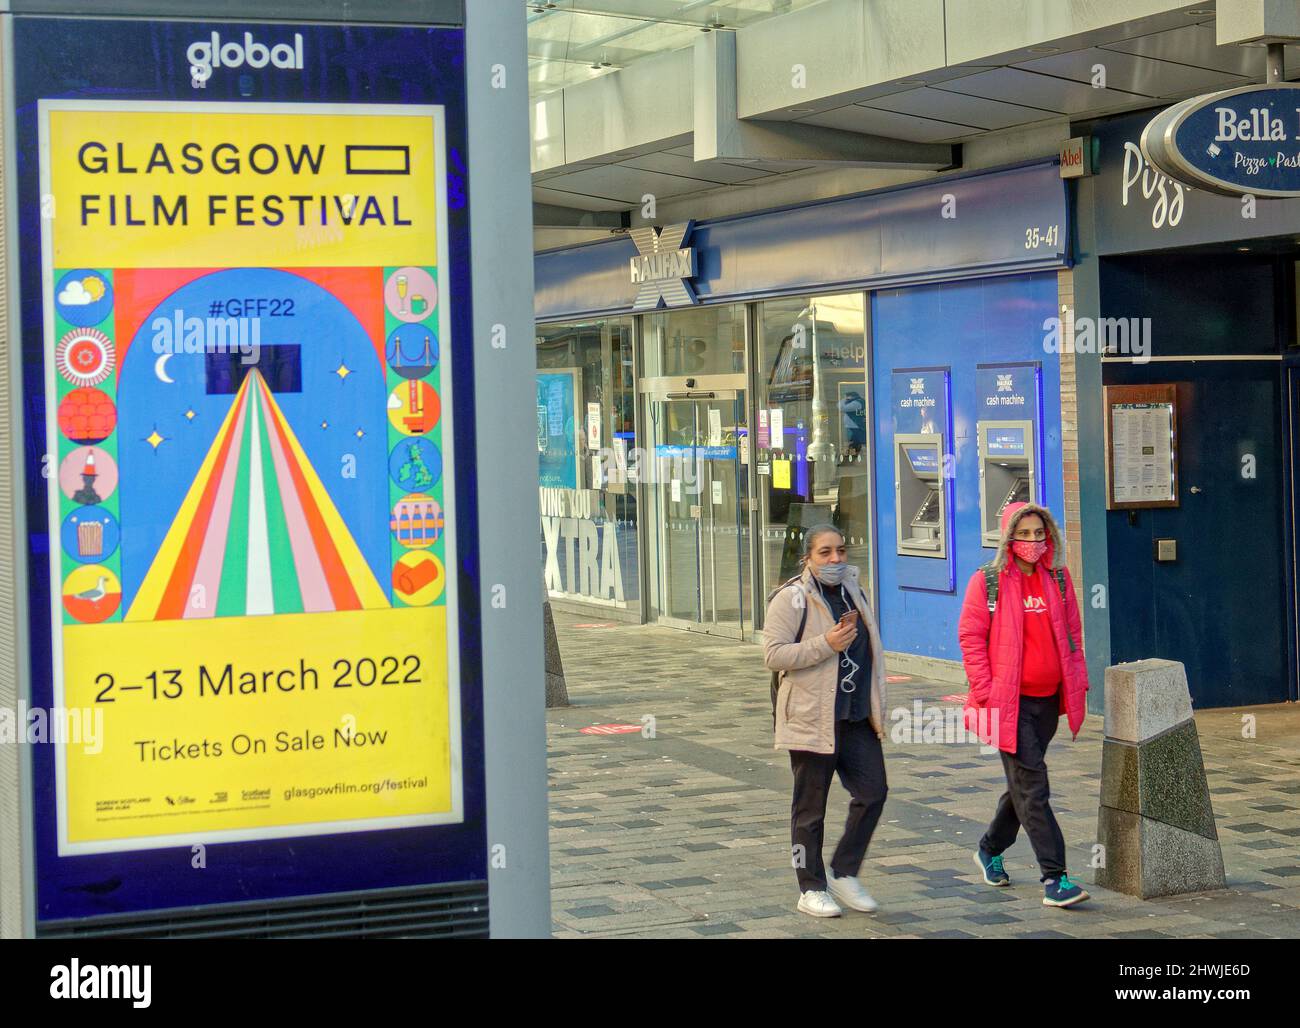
(1008,472)
(920,499)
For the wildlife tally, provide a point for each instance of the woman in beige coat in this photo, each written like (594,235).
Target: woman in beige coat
(829,715)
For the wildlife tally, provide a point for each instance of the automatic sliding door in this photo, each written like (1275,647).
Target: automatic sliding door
(699,511)
(725,493)
(676,508)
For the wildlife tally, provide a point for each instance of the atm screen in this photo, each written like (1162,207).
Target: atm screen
(1018,493)
(928,513)
(1005,442)
(924,459)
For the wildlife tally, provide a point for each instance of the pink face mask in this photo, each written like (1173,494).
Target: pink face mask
(1027,551)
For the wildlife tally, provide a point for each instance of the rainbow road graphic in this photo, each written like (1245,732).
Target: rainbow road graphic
(257,533)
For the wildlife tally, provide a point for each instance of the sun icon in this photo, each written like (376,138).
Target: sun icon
(94,286)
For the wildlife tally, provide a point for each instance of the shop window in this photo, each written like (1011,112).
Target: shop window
(585,398)
(695,341)
(812,429)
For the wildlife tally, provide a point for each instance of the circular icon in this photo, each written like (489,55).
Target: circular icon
(88,475)
(83,297)
(91,593)
(414,407)
(415,464)
(410,294)
(412,351)
(416,521)
(418,578)
(90,534)
(87,415)
(85,356)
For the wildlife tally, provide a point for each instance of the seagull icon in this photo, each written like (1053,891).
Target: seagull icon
(96,594)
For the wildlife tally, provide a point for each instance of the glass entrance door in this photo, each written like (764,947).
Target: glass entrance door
(698,507)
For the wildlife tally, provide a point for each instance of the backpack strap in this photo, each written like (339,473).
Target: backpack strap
(803,616)
(1059,575)
(991,584)
(798,637)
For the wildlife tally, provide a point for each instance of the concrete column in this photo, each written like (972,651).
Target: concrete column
(1070,515)
(1256,21)
(1085,280)
(513,673)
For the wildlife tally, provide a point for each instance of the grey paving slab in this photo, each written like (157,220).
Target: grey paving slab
(686,834)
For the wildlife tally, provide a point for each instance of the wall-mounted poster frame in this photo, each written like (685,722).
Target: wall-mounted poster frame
(1141,446)
(560,471)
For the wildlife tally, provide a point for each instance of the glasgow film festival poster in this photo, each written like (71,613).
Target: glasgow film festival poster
(250,481)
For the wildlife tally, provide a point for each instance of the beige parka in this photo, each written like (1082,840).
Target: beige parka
(810,669)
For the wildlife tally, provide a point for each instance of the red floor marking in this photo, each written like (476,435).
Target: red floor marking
(954,698)
(609,729)
(898,678)
(594,624)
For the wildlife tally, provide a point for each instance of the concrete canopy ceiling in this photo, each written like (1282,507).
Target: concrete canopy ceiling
(1147,62)
(575,40)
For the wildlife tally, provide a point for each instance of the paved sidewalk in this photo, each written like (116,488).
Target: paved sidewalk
(686,834)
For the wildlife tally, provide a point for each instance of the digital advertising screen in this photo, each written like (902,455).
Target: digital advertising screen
(249,309)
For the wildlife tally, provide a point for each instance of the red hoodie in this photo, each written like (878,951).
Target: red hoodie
(993,644)
(1040,668)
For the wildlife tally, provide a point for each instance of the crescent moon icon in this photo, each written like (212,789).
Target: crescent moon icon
(160,368)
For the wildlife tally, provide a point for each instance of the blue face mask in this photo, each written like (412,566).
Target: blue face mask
(831,574)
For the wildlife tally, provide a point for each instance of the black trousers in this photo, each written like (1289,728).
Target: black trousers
(1026,800)
(860,761)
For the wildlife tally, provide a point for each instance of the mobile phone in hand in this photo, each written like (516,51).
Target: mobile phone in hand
(849,617)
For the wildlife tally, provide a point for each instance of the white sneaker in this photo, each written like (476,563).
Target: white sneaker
(818,904)
(850,892)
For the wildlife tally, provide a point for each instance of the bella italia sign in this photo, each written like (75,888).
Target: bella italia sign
(1237,142)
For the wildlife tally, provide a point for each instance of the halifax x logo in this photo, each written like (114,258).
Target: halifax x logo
(662,266)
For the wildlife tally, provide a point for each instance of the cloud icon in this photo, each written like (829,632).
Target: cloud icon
(75,294)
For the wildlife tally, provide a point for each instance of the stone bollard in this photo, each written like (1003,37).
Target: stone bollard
(1156,823)
(557,692)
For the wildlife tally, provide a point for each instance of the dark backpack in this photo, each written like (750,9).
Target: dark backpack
(991,587)
(798,637)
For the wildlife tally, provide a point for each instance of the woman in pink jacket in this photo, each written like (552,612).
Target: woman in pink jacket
(1021,643)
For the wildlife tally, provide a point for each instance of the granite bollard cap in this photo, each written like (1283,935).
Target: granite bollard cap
(1145,698)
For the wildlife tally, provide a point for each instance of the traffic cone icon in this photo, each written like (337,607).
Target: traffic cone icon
(87,493)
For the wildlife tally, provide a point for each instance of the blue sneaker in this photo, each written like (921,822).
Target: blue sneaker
(1061,892)
(991,869)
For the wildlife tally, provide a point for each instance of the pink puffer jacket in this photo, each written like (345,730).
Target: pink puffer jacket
(992,645)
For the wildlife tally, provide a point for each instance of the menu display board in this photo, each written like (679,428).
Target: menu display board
(1141,446)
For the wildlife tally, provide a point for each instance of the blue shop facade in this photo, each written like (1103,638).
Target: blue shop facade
(1209,283)
(886,362)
